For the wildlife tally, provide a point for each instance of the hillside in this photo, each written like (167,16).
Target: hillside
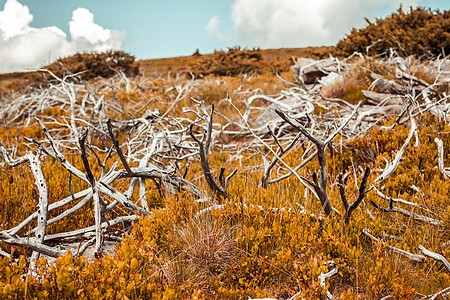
(282,58)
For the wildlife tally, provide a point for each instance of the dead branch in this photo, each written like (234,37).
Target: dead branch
(61,203)
(393,165)
(435,256)
(151,136)
(413,257)
(117,147)
(443,293)
(323,277)
(402,201)
(321,185)
(440,147)
(301,165)
(274,153)
(95,195)
(42,201)
(397,200)
(30,244)
(407,213)
(349,208)
(42,207)
(88,230)
(283,151)
(221,188)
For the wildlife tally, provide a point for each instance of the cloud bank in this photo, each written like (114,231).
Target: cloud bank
(301,23)
(213,29)
(23,47)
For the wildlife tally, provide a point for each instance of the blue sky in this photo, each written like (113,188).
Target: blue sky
(154,29)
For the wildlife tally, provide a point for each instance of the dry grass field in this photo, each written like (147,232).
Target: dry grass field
(226,176)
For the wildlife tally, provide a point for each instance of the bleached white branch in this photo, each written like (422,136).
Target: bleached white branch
(53,206)
(274,153)
(42,205)
(414,257)
(31,244)
(98,222)
(81,232)
(435,256)
(407,213)
(323,277)
(393,165)
(445,292)
(440,147)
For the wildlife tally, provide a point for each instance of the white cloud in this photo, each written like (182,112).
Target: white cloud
(88,35)
(213,29)
(23,46)
(14,19)
(301,23)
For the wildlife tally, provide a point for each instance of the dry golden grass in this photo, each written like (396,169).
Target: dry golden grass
(201,249)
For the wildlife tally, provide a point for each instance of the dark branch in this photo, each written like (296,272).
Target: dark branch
(117,147)
(349,208)
(203,152)
(362,193)
(82,142)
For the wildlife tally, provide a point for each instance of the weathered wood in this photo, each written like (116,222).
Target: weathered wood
(349,208)
(375,98)
(409,255)
(393,165)
(386,86)
(309,71)
(435,256)
(440,146)
(320,186)
(42,205)
(203,147)
(162,142)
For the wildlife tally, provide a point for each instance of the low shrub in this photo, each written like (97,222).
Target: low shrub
(233,62)
(93,65)
(416,32)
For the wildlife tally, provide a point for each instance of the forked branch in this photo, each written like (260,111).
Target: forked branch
(393,165)
(319,184)
(275,159)
(203,147)
(117,147)
(349,208)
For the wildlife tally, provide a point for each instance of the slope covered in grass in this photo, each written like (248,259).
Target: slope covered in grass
(260,242)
